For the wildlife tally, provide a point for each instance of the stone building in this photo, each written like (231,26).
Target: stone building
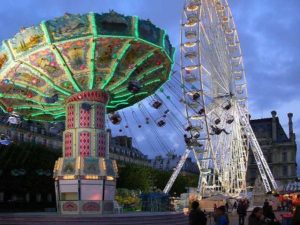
(170,161)
(32,132)
(278,148)
(121,148)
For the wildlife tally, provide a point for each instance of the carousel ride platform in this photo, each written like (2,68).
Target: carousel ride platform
(144,218)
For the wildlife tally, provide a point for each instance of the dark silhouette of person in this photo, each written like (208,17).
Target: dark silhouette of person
(197,216)
(187,140)
(296,217)
(256,217)
(221,216)
(216,130)
(268,211)
(234,205)
(242,211)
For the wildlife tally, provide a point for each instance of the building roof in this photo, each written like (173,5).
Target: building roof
(263,129)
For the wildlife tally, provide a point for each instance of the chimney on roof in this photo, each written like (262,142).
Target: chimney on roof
(291,129)
(274,126)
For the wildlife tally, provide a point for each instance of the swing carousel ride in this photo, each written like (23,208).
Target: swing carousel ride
(76,68)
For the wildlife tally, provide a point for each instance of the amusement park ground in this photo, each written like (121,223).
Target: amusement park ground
(118,219)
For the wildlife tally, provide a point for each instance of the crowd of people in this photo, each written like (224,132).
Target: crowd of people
(259,215)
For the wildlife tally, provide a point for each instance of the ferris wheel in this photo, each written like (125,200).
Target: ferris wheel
(218,133)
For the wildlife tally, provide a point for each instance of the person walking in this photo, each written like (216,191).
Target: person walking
(197,216)
(227,207)
(221,216)
(257,217)
(234,205)
(242,211)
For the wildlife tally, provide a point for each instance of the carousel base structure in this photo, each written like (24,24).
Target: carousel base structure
(85,185)
(164,218)
(85,177)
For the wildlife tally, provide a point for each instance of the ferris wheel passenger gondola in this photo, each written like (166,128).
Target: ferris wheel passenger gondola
(161,122)
(5,140)
(14,119)
(52,99)
(134,87)
(156,104)
(115,118)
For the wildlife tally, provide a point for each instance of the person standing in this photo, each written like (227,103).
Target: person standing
(197,216)
(296,217)
(227,206)
(221,216)
(268,211)
(256,217)
(242,211)
(234,205)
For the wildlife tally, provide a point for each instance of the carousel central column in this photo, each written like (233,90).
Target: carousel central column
(85,134)
(85,176)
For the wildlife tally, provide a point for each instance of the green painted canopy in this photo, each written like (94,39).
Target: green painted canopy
(74,53)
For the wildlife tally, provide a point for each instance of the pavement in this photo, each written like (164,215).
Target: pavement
(234,220)
(86,219)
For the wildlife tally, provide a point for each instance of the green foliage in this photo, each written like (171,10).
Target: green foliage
(146,179)
(29,157)
(129,199)
(32,157)
(135,177)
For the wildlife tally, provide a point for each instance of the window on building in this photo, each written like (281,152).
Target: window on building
(33,140)
(271,168)
(49,197)
(21,137)
(285,171)
(1,196)
(38,197)
(270,160)
(284,156)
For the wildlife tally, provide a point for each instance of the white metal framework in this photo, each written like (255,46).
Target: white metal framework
(215,95)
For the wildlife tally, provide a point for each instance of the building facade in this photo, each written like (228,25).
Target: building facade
(34,133)
(121,148)
(170,161)
(278,148)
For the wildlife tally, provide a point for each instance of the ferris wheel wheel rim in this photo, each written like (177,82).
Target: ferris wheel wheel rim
(236,57)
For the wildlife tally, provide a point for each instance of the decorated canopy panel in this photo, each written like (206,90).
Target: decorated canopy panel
(44,65)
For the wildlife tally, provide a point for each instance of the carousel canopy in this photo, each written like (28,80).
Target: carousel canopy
(42,66)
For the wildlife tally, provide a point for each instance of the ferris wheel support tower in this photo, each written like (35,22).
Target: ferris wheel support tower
(215,97)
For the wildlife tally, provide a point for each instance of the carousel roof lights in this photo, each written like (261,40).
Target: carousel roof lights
(150,71)
(116,63)
(92,63)
(129,72)
(66,56)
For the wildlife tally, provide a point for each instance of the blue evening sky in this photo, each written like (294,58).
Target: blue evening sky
(269,34)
